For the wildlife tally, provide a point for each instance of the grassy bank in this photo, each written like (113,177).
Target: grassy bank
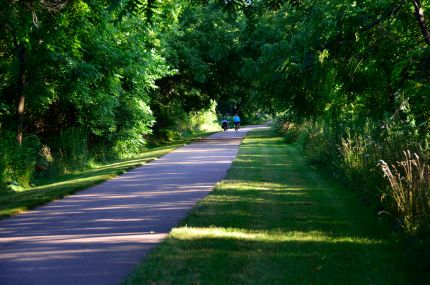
(12,203)
(274,220)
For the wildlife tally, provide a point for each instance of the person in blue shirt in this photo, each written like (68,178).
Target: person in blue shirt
(236,121)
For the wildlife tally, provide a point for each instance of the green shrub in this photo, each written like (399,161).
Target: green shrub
(17,162)
(318,142)
(201,121)
(72,152)
(174,123)
(358,159)
(287,124)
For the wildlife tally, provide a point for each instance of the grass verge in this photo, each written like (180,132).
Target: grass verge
(12,203)
(274,220)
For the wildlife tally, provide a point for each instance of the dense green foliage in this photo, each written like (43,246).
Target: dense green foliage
(86,73)
(82,74)
(87,80)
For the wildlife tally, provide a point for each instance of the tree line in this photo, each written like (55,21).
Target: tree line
(85,80)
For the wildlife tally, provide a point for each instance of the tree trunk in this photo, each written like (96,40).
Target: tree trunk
(419,14)
(20,89)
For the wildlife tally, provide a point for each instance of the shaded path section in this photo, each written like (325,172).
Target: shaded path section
(98,235)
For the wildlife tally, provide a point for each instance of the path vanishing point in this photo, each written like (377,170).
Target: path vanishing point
(98,235)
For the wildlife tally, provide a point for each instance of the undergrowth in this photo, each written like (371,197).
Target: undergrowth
(351,151)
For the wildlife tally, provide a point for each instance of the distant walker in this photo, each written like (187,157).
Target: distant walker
(224,124)
(236,121)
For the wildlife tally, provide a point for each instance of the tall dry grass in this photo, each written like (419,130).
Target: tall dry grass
(409,188)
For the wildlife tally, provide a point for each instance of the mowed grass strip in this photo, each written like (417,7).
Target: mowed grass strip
(12,203)
(274,220)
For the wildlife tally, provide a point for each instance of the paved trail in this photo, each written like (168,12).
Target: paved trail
(98,235)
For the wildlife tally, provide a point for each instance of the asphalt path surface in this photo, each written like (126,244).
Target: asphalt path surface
(98,235)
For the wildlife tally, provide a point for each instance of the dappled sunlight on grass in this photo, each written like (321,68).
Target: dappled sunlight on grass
(191,233)
(76,181)
(236,185)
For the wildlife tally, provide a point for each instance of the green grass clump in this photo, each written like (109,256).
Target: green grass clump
(274,220)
